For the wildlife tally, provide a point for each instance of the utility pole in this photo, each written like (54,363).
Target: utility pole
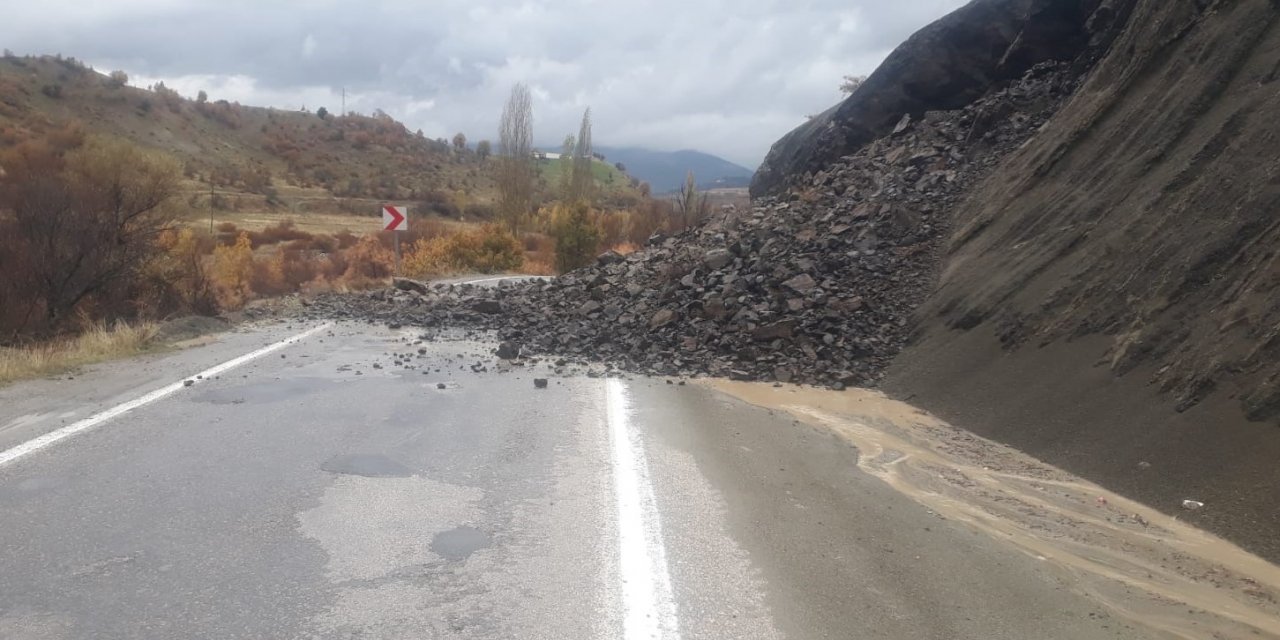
(211,205)
(344,101)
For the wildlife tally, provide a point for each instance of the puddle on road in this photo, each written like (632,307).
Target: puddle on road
(1140,563)
(366,465)
(459,543)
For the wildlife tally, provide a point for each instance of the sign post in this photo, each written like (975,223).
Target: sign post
(395,218)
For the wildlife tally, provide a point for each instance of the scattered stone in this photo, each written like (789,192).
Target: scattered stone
(406,284)
(441,385)
(508,350)
(775,331)
(661,319)
(187,383)
(801,283)
(540,383)
(609,257)
(490,307)
(716,259)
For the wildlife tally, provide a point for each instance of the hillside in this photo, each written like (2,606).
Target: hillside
(665,171)
(232,146)
(253,157)
(1105,296)
(1108,299)
(615,187)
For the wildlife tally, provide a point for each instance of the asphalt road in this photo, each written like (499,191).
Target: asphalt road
(307,493)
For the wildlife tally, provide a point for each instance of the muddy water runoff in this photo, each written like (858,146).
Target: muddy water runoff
(1143,565)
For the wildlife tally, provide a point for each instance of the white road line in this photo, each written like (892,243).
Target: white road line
(488,279)
(649,609)
(36,444)
(513,277)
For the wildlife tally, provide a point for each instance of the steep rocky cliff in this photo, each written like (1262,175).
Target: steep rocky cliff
(1109,296)
(945,66)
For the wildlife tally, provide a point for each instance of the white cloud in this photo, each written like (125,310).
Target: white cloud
(719,76)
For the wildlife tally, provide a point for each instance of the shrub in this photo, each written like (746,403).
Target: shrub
(346,239)
(179,276)
(576,237)
(233,273)
(284,231)
(368,262)
(489,249)
(477,211)
(88,219)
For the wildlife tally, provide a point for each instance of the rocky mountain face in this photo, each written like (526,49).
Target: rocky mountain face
(945,66)
(816,288)
(1110,294)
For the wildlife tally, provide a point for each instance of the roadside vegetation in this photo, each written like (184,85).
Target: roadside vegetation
(96,344)
(101,235)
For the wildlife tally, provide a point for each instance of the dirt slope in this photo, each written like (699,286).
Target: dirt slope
(1109,295)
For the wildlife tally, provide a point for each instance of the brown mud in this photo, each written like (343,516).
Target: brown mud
(1141,564)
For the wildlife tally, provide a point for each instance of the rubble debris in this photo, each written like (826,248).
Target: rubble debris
(816,286)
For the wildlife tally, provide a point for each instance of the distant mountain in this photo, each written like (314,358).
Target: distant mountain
(665,170)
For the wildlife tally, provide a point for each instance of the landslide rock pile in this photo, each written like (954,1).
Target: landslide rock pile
(815,287)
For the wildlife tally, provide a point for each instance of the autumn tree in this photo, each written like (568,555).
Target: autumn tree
(117,79)
(583,178)
(515,162)
(88,220)
(459,141)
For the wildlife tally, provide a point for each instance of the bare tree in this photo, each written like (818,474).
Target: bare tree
(459,141)
(583,179)
(515,161)
(690,206)
(483,149)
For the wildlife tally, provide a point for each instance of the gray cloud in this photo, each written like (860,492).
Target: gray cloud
(719,76)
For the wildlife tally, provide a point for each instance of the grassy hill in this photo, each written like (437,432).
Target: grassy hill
(252,158)
(615,188)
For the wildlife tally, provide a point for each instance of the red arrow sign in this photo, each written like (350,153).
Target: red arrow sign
(394,218)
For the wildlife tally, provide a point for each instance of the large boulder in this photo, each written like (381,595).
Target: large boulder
(944,66)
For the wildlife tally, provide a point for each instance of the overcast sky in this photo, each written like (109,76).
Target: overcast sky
(726,76)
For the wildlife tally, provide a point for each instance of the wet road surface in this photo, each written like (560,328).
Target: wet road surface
(308,493)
